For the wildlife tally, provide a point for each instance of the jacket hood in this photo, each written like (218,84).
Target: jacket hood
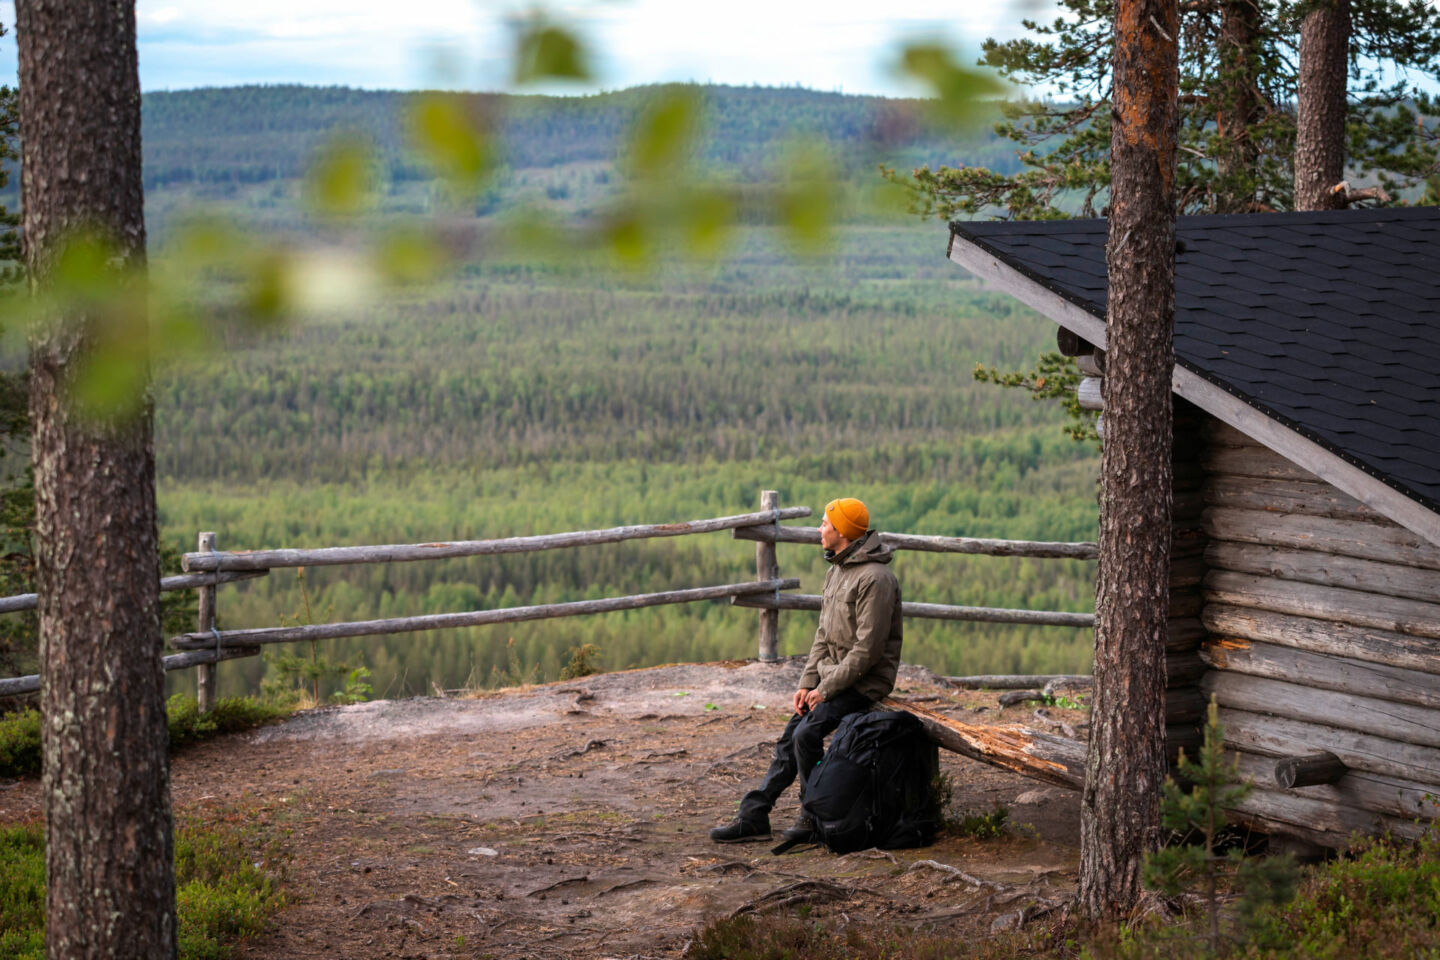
(868,549)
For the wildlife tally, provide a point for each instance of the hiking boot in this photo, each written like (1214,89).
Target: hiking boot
(801,831)
(741,831)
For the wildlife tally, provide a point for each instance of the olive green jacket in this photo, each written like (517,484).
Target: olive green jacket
(858,642)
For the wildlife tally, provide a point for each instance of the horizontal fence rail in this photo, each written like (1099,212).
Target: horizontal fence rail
(18,686)
(1039,549)
(399,553)
(207,568)
(476,618)
(932,611)
(190,581)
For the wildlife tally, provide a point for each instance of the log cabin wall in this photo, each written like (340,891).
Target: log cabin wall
(1323,623)
(1184,703)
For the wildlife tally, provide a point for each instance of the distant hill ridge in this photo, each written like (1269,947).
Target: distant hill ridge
(254,134)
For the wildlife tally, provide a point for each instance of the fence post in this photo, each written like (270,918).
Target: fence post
(205,673)
(768,568)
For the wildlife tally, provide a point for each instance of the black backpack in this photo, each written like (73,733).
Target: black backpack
(875,787)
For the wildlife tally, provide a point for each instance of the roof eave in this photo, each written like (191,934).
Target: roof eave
(1208,396)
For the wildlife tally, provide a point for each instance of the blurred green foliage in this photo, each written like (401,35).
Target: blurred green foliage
(548,51)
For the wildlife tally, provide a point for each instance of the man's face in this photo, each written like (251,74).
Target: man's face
(830,538)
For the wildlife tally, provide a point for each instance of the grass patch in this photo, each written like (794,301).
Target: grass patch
(20,731)
(227,884)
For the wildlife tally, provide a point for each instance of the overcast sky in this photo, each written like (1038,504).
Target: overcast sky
(403,44)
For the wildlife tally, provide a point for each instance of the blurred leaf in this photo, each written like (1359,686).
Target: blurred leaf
(109,380)
(807,200)
(708,218)
(534,232)
(629,239)
(547,52)
(961,93)
(449,137)
(340,179)
(176,329)
(886,199)
(85,269)
(661,138)
(410,256)
(205,243)
(282,283)
(330,280)
(266,299)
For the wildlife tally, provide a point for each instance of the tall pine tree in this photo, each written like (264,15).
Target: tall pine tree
(110,890)
(1240,75)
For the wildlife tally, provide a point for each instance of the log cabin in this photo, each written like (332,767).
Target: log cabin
(1305,575)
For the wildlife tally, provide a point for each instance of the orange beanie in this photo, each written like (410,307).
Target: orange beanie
(848,516)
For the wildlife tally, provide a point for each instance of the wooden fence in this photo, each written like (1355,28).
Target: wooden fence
(209,567)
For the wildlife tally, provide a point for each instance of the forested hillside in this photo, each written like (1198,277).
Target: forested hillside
(258,134)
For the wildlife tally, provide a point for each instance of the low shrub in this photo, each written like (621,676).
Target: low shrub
(231,715)
(20,743)
(1382,901)
(20,731)
(227,886)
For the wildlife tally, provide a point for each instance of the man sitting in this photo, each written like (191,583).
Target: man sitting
(853,661)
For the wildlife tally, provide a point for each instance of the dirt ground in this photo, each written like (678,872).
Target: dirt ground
(569,820)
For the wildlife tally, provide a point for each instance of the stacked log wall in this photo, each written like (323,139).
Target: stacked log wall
(1184,667)
(1323,623)
(1184,702)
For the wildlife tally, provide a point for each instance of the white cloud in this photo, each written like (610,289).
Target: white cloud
(144,14)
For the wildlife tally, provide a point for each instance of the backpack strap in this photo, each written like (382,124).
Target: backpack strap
(785,847)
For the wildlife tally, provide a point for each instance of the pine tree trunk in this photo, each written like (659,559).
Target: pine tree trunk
(1125,765)
(109,857)
(1321,106)
(1236,153)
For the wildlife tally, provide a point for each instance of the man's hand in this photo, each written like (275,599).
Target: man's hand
(812,699)
(797,702)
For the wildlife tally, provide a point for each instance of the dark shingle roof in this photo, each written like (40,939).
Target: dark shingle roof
(1328,322)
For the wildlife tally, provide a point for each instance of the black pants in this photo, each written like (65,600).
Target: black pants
(799,748)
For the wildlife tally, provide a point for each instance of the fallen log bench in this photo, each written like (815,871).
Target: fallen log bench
(1032,753)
